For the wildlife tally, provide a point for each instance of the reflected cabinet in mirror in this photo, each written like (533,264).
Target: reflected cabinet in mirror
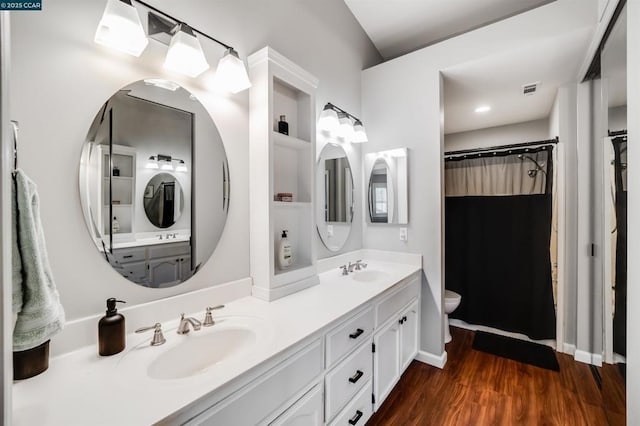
(335,196)
(145,214)
(388,197)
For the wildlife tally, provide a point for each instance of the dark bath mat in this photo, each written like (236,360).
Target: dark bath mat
(517,350)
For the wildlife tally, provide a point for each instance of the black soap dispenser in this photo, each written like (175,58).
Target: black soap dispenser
(111,330)
(283,126)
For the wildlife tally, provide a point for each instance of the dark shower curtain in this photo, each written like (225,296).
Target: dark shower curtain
(497,241)
(620,314)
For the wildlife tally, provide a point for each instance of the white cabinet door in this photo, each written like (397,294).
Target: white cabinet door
(386,361)
(306,412)
(185,268)
(408,336)
(162,271)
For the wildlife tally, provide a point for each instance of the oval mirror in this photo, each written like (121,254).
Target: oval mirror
(381,193)
(335,197)
(138,171)
(163,200)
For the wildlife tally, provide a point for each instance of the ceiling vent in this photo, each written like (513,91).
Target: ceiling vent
(530,89)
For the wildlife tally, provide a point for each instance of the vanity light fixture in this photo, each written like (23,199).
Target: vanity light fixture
(340,123)
(231,72)
(120,28)
(181,167)
(185,55)
(152,163)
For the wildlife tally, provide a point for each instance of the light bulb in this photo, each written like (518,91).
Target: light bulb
(359,135)
(345,131)
(231,73)
(185,55)
(181,167)
(328,120)
(152,163)
(120,28)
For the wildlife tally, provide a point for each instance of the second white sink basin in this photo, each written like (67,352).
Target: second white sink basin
(200,351)
(369,275)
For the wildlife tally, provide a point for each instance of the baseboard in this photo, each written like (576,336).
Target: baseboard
(432,359)
(568,348)
(588,358)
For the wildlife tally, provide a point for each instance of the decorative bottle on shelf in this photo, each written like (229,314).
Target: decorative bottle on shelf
(116,171)
(283,126)
(115,225)
(285,253)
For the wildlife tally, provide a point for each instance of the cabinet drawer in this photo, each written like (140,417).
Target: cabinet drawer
(129,255)
(262,398)
(168,250)
(341,340)
(136,271)
(306,412)
(358,411)
(392,304)
(343,382)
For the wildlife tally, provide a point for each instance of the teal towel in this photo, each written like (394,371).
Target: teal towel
(35,298)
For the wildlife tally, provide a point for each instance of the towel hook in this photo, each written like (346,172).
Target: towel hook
(16,127)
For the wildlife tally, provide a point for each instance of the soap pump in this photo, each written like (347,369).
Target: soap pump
(111,330)
(285,252)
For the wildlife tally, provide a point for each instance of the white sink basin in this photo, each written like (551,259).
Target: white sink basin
(200,351)
(369,275)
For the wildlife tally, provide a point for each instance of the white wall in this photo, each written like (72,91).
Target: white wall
(528,131)
(618,118)
(402,107)
(633,279)
(60,78)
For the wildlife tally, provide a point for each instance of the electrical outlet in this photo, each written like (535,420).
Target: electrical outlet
(403,234)
(330,230)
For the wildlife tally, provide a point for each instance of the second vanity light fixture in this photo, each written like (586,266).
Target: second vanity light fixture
(121,29)
(165,162)
(338,122)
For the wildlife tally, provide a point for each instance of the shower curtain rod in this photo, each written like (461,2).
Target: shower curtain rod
(479,152)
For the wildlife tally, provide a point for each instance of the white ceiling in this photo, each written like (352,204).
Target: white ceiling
(497,81)
(402,26)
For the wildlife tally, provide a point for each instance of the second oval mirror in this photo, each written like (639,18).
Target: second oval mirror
(335,197)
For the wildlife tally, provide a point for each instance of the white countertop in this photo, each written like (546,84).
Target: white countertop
(81,388)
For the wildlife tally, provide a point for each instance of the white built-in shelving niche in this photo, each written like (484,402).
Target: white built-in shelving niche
(281,163)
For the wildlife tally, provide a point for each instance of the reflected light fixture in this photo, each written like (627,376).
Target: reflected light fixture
(359,134)
(120,28)
(328,121)
(152,163)
(231,72)
(482,109)
(181,167)
(185,55)
(339,123)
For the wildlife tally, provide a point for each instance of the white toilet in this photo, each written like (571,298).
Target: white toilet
(451,302)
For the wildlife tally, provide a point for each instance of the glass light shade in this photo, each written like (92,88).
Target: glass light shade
(328,120)
(231,73)
(166,165)
(185,55)
(152,163)
(120,28)
(345,130)
(359,134)
(181,167)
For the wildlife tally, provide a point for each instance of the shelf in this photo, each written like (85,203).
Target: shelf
(119,177)
(291,204)
(121,205)
(296,267)
(290,142)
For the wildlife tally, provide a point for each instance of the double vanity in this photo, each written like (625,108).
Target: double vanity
(329,354)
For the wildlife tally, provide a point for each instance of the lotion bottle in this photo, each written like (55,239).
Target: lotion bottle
(111,330)
(115,225)
(285,253)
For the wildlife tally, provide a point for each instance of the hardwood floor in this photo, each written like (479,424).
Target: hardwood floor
(476,388)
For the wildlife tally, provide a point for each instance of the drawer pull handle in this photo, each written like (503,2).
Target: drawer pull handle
(356,376)
(129,256)
(357,333)
(353,420)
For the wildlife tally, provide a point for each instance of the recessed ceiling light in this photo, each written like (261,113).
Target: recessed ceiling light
(483,108)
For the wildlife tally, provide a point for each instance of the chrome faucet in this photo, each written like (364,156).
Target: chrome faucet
(183,328)
(359,265)
(158,337)
(345,270)
(351,266)
(208,318)
(159,236)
